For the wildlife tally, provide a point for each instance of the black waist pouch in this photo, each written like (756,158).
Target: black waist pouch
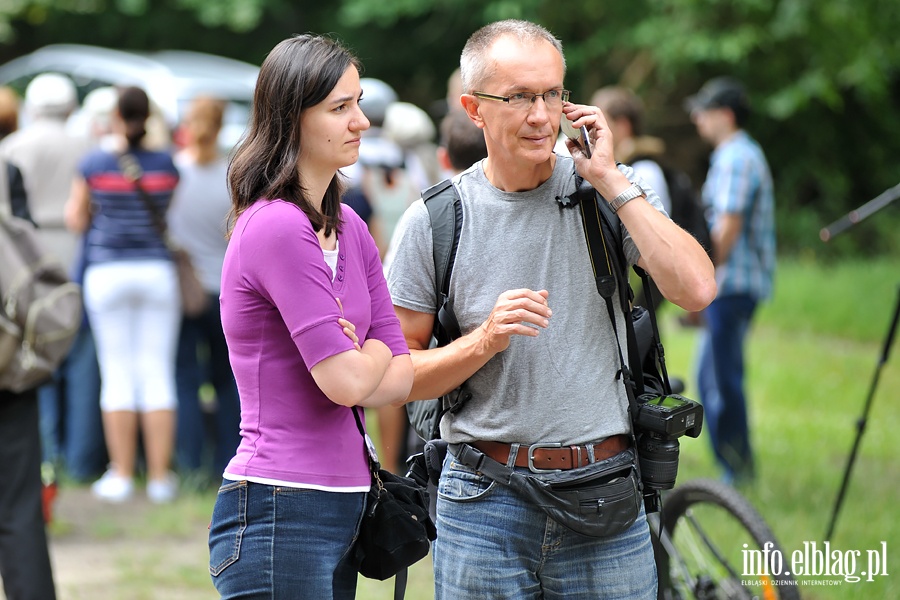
(598,500)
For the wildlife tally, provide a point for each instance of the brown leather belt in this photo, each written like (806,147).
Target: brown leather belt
(548,457)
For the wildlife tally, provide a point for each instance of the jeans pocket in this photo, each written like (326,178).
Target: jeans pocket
(226,530)
(462,483)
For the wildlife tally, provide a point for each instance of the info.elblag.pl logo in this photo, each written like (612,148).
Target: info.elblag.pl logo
(817,561)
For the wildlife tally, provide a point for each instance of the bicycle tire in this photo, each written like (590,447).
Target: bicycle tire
(704,569)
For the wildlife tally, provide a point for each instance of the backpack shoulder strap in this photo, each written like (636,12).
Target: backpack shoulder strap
(445,211)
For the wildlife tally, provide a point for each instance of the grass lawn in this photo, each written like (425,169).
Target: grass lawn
(813,353)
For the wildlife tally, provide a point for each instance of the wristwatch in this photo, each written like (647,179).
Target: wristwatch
(630,193)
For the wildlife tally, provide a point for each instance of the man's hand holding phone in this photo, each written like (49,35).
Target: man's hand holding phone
(579,136)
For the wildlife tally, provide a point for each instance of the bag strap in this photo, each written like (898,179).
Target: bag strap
(18,197)
(374,464)
(614,224)
(132,171)
(401,578)
(606,276)
(445,212)
(603,234)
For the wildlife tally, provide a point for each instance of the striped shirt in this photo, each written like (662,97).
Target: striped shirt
(739,182)
(121,224)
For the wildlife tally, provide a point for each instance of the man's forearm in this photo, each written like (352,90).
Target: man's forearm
(440,370)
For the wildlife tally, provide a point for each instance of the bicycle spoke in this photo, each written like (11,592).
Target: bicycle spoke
(733,578)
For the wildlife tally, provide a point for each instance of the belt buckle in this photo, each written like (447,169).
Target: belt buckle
(531,450)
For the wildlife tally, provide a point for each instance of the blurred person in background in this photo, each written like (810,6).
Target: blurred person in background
(740,203)
(311,335)
(132,299)
(412,129)
(25,568)
(197,222)
(381,179)
(83,447)
(47,156)
(461,145)
(624,113)
(9,111)
(373,150)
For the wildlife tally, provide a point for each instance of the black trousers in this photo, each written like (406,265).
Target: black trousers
(24,558)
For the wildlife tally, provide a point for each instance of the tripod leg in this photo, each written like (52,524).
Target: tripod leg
(861,423)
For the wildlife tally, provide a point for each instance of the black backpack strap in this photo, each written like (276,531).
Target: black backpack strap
(18,198)
(445,211)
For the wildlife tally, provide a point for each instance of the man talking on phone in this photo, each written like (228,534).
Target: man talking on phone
(538,351)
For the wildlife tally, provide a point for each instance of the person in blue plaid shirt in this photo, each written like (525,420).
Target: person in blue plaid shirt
(739,202)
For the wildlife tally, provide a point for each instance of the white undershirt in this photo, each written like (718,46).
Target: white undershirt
(331,257)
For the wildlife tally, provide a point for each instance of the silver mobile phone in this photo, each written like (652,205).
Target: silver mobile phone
(579,135)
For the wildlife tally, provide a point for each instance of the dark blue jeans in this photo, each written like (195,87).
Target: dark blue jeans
(205,442)
(273,542)
(720,378)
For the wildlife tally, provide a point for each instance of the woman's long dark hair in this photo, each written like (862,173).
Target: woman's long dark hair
(134,109)
(298,73)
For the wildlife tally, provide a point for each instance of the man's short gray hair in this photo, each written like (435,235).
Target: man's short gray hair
(475,66)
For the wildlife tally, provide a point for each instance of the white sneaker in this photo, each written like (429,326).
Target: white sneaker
(112,487)
(163,491)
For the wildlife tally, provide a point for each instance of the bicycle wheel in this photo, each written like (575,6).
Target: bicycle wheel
(712,544)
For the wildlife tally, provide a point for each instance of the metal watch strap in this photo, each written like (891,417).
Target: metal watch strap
(631,192)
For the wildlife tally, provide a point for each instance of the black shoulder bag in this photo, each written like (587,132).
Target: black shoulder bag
(396,529)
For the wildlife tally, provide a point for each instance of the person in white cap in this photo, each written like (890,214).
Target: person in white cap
(48,155)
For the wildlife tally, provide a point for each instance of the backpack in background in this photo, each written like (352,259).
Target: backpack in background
(687,207)
(40,308)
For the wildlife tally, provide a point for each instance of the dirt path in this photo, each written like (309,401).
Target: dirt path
(129,551)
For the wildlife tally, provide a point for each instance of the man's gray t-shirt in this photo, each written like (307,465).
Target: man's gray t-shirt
(558,387)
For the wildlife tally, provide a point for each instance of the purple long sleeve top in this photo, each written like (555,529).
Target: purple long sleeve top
(280,319)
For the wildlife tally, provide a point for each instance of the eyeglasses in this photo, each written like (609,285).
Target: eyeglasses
(524,100)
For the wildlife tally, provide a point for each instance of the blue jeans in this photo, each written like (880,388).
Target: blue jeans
(203,357)
(493,544)
(720,379)
(84,448)
(71,426)
(271,542)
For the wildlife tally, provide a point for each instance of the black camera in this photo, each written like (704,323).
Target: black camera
(658,423)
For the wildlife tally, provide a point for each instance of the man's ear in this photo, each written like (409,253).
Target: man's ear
(471,104)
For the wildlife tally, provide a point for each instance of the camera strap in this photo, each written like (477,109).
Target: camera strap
(602,230)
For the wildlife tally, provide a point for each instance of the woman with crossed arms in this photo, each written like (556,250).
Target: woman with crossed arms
(311,333)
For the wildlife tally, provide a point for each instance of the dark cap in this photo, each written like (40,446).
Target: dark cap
(720,92)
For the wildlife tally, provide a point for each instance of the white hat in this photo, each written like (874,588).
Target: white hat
(377,95)
(51,93)
(407,124)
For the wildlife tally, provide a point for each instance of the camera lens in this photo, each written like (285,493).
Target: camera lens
(659,461)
